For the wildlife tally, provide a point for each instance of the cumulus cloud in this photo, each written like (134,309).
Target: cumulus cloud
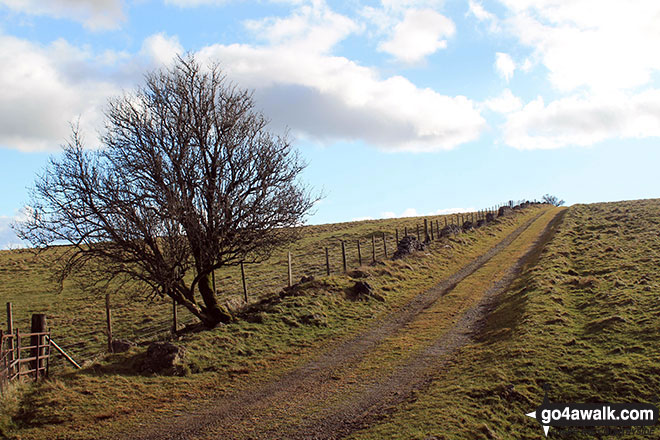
(480,13)
(421,33)
(93,14)
(44,88)
(605,45)
(446,211)
(297,79)
(8,238)
(599,57)
(506,102)
(583,121)
(504,65)
(320,96)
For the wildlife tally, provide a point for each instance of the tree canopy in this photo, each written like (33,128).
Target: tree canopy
(189,179)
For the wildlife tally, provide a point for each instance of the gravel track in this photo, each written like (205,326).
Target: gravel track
(265,413)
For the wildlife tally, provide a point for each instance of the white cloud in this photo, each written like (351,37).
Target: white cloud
(600,45)
(388,214)
(481,14)
(583,121)
(410,212)
(8,238)
(447,211)
(418,35)
(309,28)
(301,85)
(504,65)
(94,14)
(298,82)
(42,89)
(161,49)
(506,102)
(45,88)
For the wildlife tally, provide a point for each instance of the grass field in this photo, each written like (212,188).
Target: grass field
(77,318)
(109,393)
(584,319)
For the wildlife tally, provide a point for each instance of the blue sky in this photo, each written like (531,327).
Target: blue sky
(400,108)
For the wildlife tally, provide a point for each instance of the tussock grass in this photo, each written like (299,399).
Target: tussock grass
(277,332)
(583,319)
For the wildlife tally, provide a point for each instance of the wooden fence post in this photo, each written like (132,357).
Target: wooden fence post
(108,322)
(38,326)
(289,268)
(384,245)
(10,331)
(174,325)
(405,233)
(359,254)
(445,221)
(373,247)
(343,255)
(419,238)
(432,238)
(396,231)
(327,262)
(244,283)
(18,354)
(426,230)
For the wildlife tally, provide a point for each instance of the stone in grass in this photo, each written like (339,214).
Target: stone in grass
(362,290)
(450,230)
(122,345)
(165,358)
(407,245)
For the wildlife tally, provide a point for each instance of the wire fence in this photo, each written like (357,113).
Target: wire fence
(323,250)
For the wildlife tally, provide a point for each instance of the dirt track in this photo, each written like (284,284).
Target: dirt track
(338,405)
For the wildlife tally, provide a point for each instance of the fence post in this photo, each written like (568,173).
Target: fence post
(289,268)
(432,238)
(396,232)
(10,331)
(38,326)
(37,361)
(373,247)
(108,322)
(174,316)
(327,262)
(445,221)
(18,354)
(384,245)
(244,284)
(343,255)
(405,234)
(359,254)
(419,238)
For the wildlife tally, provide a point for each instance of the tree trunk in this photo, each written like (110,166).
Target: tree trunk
(214,313)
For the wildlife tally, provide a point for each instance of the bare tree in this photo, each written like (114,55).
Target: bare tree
(553,200)
(189,180)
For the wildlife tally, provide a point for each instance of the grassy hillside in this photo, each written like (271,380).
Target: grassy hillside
(76,315)
(585,319)
(277,335)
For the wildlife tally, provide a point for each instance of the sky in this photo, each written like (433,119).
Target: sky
(400,108)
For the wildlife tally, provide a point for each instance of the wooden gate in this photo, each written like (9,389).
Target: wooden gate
(23,355)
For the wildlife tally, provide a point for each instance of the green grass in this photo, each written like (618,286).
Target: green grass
(584,320)
(109,395)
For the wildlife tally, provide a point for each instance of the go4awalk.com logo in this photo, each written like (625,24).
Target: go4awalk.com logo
(594,414)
